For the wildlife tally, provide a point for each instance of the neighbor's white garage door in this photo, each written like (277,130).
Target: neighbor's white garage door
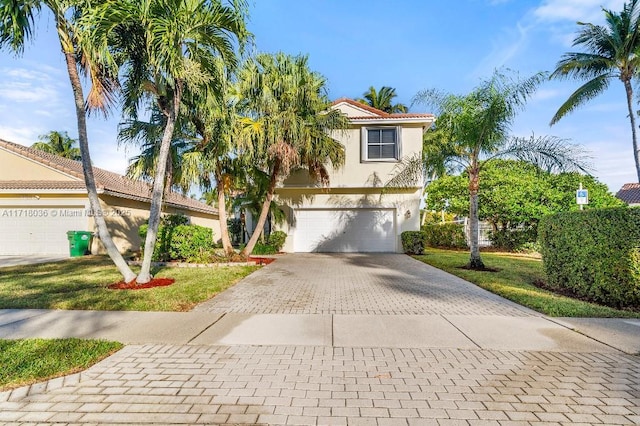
(41,230)
(345,230)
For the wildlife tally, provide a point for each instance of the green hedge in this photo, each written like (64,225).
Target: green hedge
(413,242)
(594,254)
(445,235)
(180,242)
(513,239)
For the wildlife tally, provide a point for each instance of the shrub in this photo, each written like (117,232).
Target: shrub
(513,239)
(445,235)
(235,229)
(181,242)
(272,245)
(264,249)
(277,239)
(190,242)
(594,254)
(413,242)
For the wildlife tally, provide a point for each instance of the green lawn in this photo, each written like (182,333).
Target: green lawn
(32,360)
(514,281)
(81,283)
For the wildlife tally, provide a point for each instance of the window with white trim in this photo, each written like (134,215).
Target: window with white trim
(380,143)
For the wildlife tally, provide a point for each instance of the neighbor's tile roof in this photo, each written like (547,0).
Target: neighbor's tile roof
(42,184)
(379,114)
(109,182)
(630,193)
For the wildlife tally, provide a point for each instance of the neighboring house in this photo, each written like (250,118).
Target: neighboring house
(355,213)
(42,196)
(630,194)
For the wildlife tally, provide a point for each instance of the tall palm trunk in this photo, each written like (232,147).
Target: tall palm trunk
(475,261)
(222,214)
(264,212)
(632,117)
(158,189)
(87,169)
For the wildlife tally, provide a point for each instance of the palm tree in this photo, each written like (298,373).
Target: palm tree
(287,123)
(473,130)
(382,100)
(612,52)
(167,47)
(16,28)
(214,119)
(148,136)
(58,143)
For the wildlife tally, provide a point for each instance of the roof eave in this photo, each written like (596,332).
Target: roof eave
(168,203)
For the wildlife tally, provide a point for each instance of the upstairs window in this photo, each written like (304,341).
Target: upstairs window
(381,144)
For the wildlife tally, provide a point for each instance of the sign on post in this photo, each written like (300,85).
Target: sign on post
(582,197)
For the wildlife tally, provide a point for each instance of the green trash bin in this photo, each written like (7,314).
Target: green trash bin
(79,242)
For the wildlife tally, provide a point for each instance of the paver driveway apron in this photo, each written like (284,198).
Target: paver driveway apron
(364,357)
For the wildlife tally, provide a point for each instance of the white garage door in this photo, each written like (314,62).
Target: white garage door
(41,230)
(345,230)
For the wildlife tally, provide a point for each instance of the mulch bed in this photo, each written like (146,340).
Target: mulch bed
(261,260)
(155,282)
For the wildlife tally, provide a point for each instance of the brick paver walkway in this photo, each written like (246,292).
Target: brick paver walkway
(327,385)
(380,284)
(338,386)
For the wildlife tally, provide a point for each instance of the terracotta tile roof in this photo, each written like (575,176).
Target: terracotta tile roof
(630,193)
(379,114)
(42,184)
(109,182)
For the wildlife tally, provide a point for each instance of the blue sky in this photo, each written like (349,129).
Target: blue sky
(410,45)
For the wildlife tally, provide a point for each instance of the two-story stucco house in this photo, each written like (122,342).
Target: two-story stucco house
(356,213)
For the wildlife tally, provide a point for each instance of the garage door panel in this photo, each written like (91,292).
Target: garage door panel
(345,230)
(27,230)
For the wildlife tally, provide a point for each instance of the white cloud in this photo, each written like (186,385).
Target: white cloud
(24,85)
(24,92)
(25,135)
(502,53)
(575,10)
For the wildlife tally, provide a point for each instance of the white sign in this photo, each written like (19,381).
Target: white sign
(582,196)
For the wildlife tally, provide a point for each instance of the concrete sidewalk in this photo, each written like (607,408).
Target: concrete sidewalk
(391,331)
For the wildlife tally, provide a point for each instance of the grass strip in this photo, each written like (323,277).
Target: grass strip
(515,281)
(27,361)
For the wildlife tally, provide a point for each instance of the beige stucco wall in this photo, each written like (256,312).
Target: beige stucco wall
(361,174)
(352,111)
(14,167)
(124,217)
(406,205)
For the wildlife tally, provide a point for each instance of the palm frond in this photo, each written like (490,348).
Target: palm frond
(549,153)
(582,95)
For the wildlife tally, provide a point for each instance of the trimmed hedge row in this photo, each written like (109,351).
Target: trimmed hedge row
(513,239)
(594,254)
(445,235)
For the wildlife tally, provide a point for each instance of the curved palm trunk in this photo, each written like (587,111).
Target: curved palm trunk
(87,168)
(632,117)
(222,214)
(158,190)
(475,261)
(264,212)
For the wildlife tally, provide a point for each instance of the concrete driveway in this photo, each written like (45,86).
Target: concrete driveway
(377,300)
(30,259)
